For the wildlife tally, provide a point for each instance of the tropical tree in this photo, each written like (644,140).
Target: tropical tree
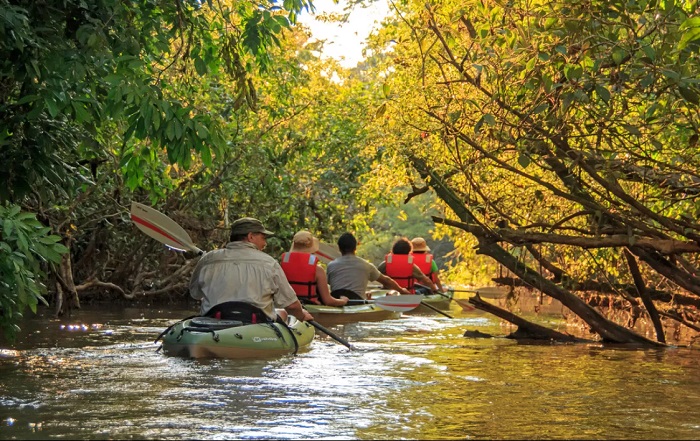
(563,138)
(90,88)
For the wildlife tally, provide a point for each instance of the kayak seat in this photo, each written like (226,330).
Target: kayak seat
(212,324)
(423,290)
(238,311)
(350,294)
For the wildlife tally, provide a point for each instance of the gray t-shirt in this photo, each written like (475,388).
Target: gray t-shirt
(351,272)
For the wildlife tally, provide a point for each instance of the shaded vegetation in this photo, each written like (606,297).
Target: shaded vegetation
(551,145)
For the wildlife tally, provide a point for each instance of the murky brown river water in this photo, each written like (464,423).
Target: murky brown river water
(97,375)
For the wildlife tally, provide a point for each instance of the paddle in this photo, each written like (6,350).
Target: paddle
(327,252)
(488,292)
(465,305)
(331,335)
(436,310)
(401,303)
(165,230)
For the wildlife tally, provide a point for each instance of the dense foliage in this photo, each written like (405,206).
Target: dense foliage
(562,135)
(557,140)
(26,248)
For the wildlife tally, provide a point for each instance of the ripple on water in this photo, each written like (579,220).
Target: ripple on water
(415,377)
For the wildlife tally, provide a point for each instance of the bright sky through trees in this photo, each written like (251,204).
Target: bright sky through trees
(344,41)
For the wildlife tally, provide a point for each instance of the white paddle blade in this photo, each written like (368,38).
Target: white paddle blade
(487,292)
(401,303)
(466,307)
(493,292)
(160,227)
(327,252)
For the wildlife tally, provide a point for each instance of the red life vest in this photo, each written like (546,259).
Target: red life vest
(300,269)
(400,268)
(424,261)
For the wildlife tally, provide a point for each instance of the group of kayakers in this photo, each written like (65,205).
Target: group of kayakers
(241,276)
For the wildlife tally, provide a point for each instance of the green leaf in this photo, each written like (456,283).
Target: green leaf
(52,106)
(170,131)
(22,241)
(48,240)
(205,154)
(8,227)
(26,216)
(693,22)
(692,34)
(477,126)
(572,72)
(523,160)
(632,129)
(27,99)
(602,92)
(178,128)
(381,110)
(200,66)
(540,108)
(649,114)
(618,56)
(202,131)
(81,114)
(530,64)
(60,248)
(671,74)
(689,95)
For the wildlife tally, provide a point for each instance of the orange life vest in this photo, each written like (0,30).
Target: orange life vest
(424,261)
(400,268)
(300,269)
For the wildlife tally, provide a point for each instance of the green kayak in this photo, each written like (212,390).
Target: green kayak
(206,337)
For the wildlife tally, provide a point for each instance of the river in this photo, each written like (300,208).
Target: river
(98,375)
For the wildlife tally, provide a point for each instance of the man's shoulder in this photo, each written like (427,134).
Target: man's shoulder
(350,260)
(213,254)
(236,251)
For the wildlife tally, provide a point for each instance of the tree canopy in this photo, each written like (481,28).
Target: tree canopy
(566,131)
(557,140)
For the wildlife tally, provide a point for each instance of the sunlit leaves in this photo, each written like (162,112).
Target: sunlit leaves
(691,33)
(607,83)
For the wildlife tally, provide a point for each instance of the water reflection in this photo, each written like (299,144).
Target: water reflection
(416,377)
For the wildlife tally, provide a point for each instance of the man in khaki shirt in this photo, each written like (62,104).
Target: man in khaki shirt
(242,272)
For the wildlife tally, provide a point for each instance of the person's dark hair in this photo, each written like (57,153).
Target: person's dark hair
(402,246)
(347,243)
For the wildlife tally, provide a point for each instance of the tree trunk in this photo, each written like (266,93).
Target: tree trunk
(526,329)
(608,330)
(644,295)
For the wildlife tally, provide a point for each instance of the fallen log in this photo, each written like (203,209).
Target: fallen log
(526,329)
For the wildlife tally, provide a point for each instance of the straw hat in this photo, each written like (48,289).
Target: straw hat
(304,242)
(419,244)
